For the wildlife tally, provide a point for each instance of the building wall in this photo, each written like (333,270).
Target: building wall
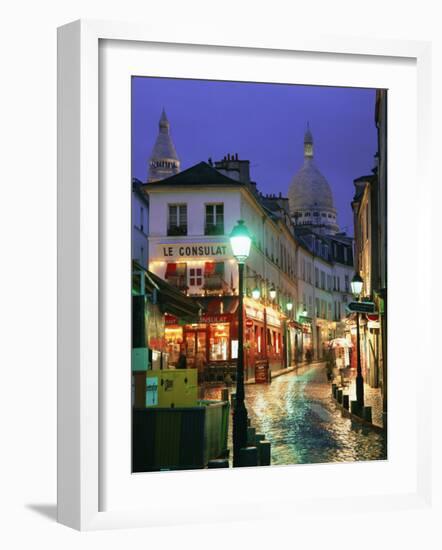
(140,224)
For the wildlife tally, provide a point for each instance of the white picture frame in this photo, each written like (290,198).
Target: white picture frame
(80,296)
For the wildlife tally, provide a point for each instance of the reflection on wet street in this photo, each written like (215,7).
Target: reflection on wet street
(299,418)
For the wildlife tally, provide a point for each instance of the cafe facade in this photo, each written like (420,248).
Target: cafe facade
(191,217)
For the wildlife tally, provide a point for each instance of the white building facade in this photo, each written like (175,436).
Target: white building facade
(195,211)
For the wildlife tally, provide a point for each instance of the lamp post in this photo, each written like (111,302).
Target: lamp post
(240,241)
(272,293)
(356,287)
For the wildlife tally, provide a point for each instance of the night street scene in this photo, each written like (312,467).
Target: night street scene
(259,276)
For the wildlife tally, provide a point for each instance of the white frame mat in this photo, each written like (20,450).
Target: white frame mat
(80,271)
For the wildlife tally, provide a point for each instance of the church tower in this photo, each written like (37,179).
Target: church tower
(164,161)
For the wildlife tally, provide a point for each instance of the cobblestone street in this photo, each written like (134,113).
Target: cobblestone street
(296,413)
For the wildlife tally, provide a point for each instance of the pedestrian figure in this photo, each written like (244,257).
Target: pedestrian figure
(182,361)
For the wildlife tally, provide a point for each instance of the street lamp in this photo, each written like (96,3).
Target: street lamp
(272,292)
(240,241)
(256,293)
(289,306)
(356,287)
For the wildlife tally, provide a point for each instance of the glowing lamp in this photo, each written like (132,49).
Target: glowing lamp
(272,293)
(240,241)
(289,306)
(356,285)
(256,293)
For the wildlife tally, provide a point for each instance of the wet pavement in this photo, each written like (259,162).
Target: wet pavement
(302,422)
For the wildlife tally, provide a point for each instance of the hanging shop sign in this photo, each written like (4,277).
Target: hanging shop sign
(305,319)
(254,313)
(193,250)
(273,318)
(361,307)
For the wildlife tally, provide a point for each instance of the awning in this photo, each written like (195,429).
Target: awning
(219,304)
(170,270)
(171,300)
(209,268)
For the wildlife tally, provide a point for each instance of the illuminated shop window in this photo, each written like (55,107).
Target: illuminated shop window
(219,342)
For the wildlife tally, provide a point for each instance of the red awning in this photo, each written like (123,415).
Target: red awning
(170,270)
(209,268)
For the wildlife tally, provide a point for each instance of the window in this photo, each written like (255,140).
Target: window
(318,311)
(347,284)
(338,283)
(176,275)
(323,280)
(177,219)
(214,276)
(141,218)
(195,276)
(317,277)
(214,219)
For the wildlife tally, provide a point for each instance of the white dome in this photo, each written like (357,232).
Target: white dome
(310,195)
(309,189)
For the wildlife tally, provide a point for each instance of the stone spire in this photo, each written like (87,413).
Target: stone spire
(308,143)
(164,161)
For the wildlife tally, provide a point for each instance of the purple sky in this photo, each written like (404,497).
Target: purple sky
(263,123)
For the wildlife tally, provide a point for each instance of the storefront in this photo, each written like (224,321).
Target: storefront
(209,342)
(264,337)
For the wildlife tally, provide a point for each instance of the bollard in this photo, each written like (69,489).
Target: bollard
(339,395)
(259,437)
(218,463)
(355,409)
(251,432)
(248,456)
(334,388)
(232,401)
(225,394)
(264,452)
(346,401)
(366,414)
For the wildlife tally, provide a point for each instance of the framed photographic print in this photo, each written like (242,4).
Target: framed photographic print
(232,266)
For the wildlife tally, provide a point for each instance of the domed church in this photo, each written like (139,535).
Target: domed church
(310,196)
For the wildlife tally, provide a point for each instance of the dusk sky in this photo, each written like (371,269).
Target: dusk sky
(263,123)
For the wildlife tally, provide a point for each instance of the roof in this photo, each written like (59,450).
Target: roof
(164,147)
(200,174)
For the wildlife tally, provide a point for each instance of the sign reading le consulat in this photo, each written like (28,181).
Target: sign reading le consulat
(192,250)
